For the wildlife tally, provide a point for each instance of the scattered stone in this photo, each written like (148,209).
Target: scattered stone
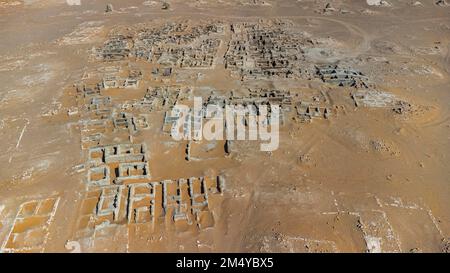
(378,3)
(165,6)
(442,3)
(415,250)
(401,107)
(304,159)
(400,131)
(446,245)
